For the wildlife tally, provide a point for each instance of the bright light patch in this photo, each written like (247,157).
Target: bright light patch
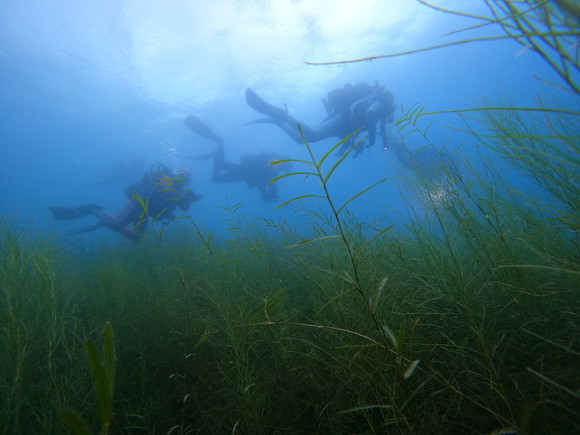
(197,49)
(193,51)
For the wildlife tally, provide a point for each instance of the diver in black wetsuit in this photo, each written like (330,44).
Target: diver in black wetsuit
(427,161)
(254,169)
(154,197)
(350,108)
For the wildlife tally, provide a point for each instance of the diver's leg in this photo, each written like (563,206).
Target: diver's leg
(105,219)
(332,126)
(269,192)
(293,131)
(115,224)
(218,164)
(281,118)
(130,212)
(222,171)
(109,221)
(227,172)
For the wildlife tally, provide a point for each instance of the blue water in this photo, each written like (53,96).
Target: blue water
(86,88)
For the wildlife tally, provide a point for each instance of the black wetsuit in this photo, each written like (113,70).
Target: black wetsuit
(350,108)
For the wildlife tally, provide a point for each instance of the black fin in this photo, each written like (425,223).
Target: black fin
(263,121)
(84,229)
(201,128)
(66,213)
(259,104)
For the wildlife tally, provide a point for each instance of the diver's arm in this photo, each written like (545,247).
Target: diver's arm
(272,191)
(269,192)
(372,135)
(384,134)
(263,192)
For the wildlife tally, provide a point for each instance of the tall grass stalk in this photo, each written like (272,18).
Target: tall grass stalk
(392,344)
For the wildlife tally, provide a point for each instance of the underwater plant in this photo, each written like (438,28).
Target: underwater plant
(393,344)
(461,320)
(550,28)
(103,370)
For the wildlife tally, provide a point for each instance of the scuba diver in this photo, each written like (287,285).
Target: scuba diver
(434,169)
(349,109)
(255,169)
(427,161)
(153,198)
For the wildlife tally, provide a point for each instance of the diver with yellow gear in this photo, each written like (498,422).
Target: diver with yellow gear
(154,197)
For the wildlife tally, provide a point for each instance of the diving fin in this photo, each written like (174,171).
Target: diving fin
(66,213)
(201,128)
(260,105)
(263,121)
(85,229)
